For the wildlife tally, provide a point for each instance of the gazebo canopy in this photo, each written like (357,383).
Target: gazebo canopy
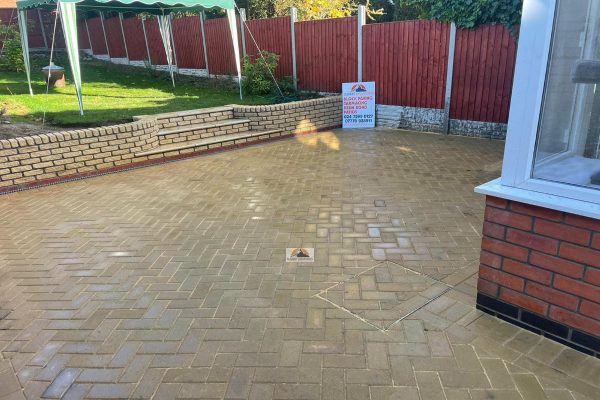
(136,6)
(67,11)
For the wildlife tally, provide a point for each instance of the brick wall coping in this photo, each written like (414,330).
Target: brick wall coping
(184,113)
(288,106)
(497,189)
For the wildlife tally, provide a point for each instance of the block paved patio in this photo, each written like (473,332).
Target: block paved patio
(171,281)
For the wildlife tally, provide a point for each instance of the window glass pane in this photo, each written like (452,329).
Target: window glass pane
(567,148)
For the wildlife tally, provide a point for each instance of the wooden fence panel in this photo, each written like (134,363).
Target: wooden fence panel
(82,35)
(274,35)
(219,47)
(114,37)
(326,53)
(97,36)
(34,32)
(157,50)
(134,38)
(8,16)
(48,19)
(483,74)
(408,61)
(188,42)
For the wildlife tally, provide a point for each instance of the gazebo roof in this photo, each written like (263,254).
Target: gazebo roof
(137,6)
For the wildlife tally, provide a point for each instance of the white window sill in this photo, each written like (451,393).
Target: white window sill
(579,207)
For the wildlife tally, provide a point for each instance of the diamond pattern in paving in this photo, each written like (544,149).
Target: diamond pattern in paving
(384,294)
(171,281)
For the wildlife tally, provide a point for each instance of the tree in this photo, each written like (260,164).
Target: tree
(465,13)
(261,9)
(312,9)
(11,57)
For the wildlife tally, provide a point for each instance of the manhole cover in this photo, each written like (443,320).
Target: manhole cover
(384,294)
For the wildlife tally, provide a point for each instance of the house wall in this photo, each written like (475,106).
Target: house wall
(540,269)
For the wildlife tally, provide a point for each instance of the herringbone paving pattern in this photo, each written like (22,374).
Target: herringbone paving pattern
(171,281)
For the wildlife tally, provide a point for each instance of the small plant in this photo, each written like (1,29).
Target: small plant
(258,73)
(11,58)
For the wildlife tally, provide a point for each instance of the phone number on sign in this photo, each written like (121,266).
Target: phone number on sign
(358,118)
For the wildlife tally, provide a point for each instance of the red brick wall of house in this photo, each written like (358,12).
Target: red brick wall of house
(543,261)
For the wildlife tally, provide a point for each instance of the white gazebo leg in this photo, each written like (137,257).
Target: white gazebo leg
(22,20)
(236,46)
(68,19)
(164,26)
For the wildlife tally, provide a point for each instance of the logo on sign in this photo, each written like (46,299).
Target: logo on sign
(304,254)
(359,87)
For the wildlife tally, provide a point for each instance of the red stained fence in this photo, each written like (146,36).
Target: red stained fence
(187,37)
(82,35)
(134,38)
(157,49)
(484,66)
(97,36)
(114,37)
(272,35)
(219,46)
(326,53)
(408,62)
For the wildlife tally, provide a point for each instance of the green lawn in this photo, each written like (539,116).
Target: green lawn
(111,93)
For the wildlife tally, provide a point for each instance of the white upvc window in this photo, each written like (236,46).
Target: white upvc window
(552,153)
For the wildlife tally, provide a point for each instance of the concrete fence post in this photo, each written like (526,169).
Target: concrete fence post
(104,33)
(362,19)
(243,30)
(87,29)
(202,18)
(123,34)
(43,30)
(146,40)
(293,20)
(449,75)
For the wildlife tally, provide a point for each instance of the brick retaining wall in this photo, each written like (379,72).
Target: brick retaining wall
(296,117)
(36,160)
(60,154)
(540,268)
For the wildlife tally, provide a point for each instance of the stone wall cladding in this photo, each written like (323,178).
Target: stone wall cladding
(540,268)
(27,159)
(296,117)
(479,129)
(432,120)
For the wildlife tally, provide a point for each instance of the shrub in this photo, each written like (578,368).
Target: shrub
(258,73)
(12,54)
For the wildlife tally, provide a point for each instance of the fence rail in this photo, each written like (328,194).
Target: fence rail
(408,60)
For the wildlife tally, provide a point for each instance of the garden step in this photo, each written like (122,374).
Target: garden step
(204,126)
(188,113)
(204,130)
(212,143)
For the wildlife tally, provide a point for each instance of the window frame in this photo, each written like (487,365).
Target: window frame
(535,40)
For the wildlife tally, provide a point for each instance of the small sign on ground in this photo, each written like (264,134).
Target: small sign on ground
(300,254)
